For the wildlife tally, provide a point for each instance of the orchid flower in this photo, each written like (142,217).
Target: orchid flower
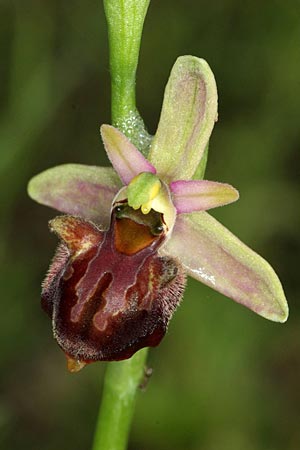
(133,232)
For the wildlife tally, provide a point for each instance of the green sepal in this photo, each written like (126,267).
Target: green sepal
(187,119)
(85,191)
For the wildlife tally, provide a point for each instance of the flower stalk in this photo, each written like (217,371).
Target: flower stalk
(125,19)
(122,380)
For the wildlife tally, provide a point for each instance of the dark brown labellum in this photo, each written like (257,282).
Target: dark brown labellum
(109,293)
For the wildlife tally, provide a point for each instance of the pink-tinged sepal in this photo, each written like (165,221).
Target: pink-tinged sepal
(213,255)
(189,196)
(85,191)
(124,156)
(187,118)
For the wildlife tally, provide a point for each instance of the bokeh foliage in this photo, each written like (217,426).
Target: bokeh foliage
(223,377)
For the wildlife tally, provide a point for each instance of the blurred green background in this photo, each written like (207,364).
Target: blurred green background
(224,378)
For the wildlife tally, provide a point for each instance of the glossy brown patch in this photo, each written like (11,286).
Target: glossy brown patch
(132,237)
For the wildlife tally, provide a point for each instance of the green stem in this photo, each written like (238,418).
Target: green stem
(119,392)
(125,20)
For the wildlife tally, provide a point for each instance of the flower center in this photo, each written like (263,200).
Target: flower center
(146,194)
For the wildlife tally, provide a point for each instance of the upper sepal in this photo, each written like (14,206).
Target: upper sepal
(212,254)
(187,118)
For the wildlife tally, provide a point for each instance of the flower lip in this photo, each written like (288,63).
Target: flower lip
(115,297)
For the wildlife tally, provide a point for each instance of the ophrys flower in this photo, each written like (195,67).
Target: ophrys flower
(135,232)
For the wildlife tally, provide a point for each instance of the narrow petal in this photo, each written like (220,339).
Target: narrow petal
(86,191)
(188,115)
(124,156)
(213,255)
(189,196)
